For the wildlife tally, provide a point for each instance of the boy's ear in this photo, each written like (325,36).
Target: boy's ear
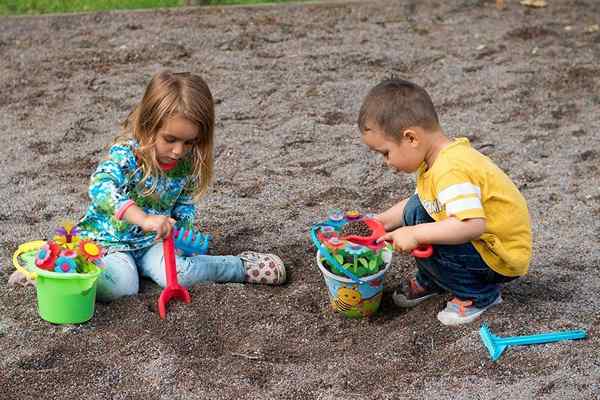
(412,136)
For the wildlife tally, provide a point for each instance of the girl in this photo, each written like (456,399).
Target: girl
(160,164)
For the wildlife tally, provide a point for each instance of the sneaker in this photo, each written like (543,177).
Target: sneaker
(411,294)
(462,311)
(263,268)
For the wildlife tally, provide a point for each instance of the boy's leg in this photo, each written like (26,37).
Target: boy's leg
(118,278)
(415,214)
(191,270)
(458,269)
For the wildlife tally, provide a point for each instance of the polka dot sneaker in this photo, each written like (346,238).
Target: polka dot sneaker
(263,268)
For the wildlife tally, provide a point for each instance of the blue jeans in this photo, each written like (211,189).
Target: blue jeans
(120,276)
(458,269)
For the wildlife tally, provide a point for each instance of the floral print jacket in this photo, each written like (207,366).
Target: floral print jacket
(116,184)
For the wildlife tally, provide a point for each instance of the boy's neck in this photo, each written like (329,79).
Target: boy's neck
(437,141)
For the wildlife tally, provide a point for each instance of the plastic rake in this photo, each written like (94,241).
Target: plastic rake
(496,344)
(191,242)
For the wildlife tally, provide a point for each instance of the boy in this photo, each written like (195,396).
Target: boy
(465,206)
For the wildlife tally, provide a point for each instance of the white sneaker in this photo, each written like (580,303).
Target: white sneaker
(263,268)
(459,312)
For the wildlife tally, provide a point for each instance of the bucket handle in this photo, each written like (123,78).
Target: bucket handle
(26,248)
(327,255)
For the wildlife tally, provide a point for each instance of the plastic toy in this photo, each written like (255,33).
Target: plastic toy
(173,290)
(353,256)
(423,251)
(191,242)
(496,344)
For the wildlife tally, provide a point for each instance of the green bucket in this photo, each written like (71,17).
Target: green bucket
(66,298)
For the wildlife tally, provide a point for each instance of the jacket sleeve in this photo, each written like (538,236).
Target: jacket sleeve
(109,184)
(184,210)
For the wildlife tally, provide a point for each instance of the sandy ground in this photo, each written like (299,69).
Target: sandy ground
(523,84)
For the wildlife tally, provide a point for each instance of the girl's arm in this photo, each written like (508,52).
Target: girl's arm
(160,224)
(393,217)
(109,192)
(448,231)
(184,210)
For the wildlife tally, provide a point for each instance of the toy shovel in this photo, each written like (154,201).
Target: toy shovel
(377,230)
(496,344)
(173,288)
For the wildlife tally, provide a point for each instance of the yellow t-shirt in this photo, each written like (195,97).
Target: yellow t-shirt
(464,183)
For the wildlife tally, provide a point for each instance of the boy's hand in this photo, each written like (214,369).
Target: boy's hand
(403,239)
(162,225)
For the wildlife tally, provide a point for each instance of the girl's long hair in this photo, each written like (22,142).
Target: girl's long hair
(169,94)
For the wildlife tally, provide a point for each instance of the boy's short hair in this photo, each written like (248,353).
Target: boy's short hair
(396,105)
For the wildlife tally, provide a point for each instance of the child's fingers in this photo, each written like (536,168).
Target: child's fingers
(384,238)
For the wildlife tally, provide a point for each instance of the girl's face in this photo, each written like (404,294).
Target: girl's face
(175,139)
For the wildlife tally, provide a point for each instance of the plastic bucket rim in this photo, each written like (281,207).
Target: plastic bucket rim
(367,278)
(67,275)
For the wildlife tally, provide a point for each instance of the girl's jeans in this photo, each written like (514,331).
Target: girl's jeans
(120,276)
(458,269)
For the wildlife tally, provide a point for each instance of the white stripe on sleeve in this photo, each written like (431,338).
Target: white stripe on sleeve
(458,206)
(460,189)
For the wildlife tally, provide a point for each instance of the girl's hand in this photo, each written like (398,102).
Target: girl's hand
(403,239)
(162,225)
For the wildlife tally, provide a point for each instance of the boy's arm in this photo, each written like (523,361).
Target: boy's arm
(393,217)
(448,231)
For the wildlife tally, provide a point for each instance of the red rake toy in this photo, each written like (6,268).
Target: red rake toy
(173,289)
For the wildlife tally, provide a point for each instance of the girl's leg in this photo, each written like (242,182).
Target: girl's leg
(458,269)
(191,270)
(119,277)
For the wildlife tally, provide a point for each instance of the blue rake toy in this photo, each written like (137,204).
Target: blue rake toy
(496,344)
(191,242)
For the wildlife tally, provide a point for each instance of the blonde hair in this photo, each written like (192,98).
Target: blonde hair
(169,94)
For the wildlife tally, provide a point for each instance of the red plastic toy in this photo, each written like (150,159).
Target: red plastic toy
(173,289)
(423,251)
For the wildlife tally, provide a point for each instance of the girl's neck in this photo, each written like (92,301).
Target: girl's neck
(167,166)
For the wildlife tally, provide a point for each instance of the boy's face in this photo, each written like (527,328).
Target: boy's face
(175,139)
(402,156)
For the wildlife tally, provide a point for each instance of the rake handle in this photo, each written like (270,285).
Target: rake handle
(542,338)
(170,264)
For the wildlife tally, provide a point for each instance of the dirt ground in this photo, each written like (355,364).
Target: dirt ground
(522,84)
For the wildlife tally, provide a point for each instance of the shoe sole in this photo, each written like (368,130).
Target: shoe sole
(402,301)
(452,320)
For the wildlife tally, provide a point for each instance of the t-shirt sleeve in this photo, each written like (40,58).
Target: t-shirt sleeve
(459,196)
(109,183)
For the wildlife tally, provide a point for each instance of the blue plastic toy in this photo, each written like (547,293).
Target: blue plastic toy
(190,242)
(496,344)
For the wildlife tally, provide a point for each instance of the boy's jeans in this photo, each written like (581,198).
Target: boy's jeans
(120,276)
(458,269)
